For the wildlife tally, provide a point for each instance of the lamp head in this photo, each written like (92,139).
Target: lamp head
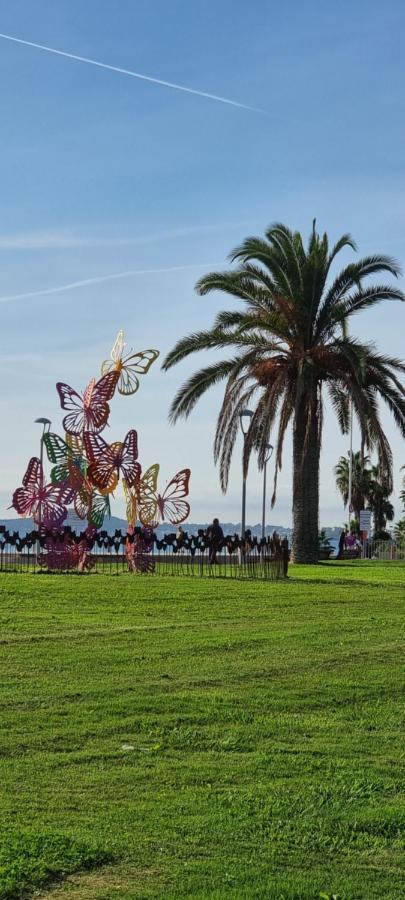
(269,452)
(45,422)
(245,416)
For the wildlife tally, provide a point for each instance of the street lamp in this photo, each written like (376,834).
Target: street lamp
(245,417)
(46,424)
(350,486)
(269,449)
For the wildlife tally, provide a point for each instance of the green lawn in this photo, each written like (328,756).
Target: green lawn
(178,737)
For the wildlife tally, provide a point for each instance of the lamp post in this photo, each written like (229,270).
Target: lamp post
(350,486)
(244,417)
(270,449)
(46,424)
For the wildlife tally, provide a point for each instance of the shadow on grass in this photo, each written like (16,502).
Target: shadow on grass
(30,860)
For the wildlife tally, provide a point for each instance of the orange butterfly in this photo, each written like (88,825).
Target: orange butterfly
(107,461)
(128,367)
(90,411)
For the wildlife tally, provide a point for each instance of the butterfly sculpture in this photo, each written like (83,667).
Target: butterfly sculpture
(90,411)
(85,469)
(108,461)
(150,507)
(128,367)
(47,503)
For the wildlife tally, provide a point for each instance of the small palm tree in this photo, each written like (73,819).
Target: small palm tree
(369,488)
(289,344)
(379,502)
(402,494)
(361,478)
(399,531)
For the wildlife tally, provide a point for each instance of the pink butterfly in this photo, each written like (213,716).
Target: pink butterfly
(90,411)
(108,461)
(47,503)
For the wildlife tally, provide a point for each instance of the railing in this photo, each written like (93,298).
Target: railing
(140,552)
(383,550)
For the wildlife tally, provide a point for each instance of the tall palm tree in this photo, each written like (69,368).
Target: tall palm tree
(361,479)
(289,342)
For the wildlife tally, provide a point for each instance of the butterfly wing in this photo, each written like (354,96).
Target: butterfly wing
(100,507)
(34,474)
(172,507)
(70,400)
(133,365)
(147,496)
(56,448)
(130,468)
(25,499)
(82,501)
(55,500)
(59,473)
(116,353)
(75,476)
(131,502)
(96,409)
(104,471)
(75,446)
(94,445)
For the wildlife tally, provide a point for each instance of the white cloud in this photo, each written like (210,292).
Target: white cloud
(68,239)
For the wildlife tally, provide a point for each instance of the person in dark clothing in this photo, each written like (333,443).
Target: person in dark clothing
(215,536)
(342,544)
(286,556)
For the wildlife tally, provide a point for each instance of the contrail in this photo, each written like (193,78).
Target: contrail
(168,84)
(100,278)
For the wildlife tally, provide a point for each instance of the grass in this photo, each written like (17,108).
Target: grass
(29,859)
(213,738)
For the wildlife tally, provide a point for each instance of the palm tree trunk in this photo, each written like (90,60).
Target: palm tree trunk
(306,447)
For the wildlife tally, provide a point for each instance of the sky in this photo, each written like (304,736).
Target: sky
(103,173)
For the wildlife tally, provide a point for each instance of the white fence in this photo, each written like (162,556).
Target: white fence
(385,550)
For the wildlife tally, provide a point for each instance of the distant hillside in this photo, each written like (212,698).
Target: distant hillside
(110,525)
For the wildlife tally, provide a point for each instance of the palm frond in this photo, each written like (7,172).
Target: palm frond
(351,277)
(193,389)
(355,303)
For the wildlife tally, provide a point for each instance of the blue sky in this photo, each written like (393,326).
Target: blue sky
(101,174)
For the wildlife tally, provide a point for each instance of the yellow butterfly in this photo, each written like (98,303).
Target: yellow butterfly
(140,499)
(145,503)
(128,367)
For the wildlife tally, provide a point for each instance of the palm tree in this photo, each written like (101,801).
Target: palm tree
(289,342)
(399,531)
(378,499)
(402,494)
(369,488)
(361,477)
